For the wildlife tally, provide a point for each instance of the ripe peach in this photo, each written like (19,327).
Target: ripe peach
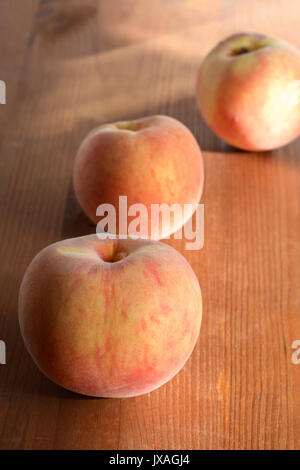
(153,160)
(248,91)
(110,318)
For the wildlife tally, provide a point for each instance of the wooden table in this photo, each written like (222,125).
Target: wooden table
(69,65)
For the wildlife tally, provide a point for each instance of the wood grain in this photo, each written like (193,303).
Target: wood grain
(70,65)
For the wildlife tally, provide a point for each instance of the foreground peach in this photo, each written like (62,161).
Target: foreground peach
(153,160)
(110,318)
(248,91)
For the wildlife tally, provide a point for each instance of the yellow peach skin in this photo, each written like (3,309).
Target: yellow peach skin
(248,91)
(153,160)
(110,318)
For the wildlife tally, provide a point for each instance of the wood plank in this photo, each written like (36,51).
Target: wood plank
(79,64)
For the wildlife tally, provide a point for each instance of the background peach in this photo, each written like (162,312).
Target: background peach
(153,160)
(248,91)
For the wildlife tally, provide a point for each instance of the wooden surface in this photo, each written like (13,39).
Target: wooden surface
(69,65)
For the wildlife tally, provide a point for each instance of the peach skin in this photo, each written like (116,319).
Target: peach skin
(110,318)
(153,160)
(248,91)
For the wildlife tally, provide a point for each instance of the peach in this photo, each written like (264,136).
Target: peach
(248,91)
(110,318)
(152,160)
